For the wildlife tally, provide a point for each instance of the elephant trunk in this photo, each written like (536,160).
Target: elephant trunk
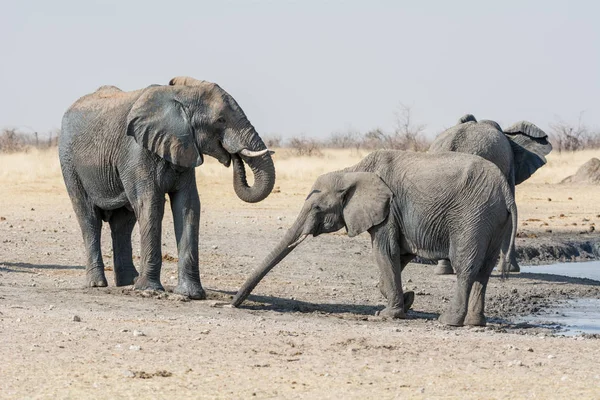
(246,147)
(292,238)
(264,177)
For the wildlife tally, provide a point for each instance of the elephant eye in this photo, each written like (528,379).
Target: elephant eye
(221,120)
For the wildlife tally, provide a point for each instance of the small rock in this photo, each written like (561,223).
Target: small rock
(76,318)
(124,330)
(421,390)
(18,319)
(138,333)
(128,374)
(550,356)
(135,348)
(50,307)
(529,349)
(215,247)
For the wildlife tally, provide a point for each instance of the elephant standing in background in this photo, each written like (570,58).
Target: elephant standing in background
(518,151)
(121,152)
(395,196)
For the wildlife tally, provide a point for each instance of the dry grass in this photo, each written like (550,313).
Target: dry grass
(34,166)
(27,176)
(39,166)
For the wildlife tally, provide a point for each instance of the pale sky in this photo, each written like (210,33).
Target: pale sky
(311,67)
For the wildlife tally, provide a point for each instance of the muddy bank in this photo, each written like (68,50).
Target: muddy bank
(558,248)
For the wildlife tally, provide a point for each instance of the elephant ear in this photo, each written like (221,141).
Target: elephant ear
(467,118)
(529,144)
(159,122)
(366,201)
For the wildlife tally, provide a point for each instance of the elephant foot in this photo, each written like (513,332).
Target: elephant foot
(392,312)
(125,276)
(452,319)
(409,298)
(193,290)
(143,283)
(475,320)
(514,267)
(443,267)
(94,277)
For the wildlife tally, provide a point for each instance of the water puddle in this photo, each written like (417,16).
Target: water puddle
(572,317)
(589,270)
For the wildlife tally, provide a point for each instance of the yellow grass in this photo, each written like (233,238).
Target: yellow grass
(34,176)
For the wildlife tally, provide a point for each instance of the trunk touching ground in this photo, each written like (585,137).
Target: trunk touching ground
(264,177)
(292,238)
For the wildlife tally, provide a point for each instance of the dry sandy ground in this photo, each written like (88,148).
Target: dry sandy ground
(309,330)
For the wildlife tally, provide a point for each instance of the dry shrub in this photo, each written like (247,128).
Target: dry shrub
(573,137)
(272,141)
(13,141)
(302,146)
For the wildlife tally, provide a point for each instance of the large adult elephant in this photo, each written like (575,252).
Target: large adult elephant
(121,152)
(393,195)
(518,151)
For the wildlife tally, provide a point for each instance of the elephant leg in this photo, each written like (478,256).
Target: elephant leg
(514,265)
(149,213)
(467,266)
(475,314)
(443,267)
(185,206)
(390,263)
(90,221)
(121,223)
(409,296)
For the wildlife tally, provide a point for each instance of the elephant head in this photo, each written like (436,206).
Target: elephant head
(355,200)
(189,118)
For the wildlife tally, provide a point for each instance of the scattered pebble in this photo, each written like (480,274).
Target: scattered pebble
(135,348)
(214,247)
(128,374)
(76,318)
(138,333)
(550,356)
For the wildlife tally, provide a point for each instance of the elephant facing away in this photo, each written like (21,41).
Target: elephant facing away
(518,151)
(395,196)
(121,152)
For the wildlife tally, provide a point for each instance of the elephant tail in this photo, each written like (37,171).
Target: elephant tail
(508,247)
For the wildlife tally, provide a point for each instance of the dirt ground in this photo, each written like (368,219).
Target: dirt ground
(309,329)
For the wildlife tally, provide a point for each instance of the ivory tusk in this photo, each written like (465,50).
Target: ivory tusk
(250,153)
(297,242)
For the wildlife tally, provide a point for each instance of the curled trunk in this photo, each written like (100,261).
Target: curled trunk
(285,246)
(264,177)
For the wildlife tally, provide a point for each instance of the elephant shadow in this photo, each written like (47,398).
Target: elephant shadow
(355,311)
(10,266)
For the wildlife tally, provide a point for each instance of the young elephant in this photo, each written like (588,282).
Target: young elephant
(449,205)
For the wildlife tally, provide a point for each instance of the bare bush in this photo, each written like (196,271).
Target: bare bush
(406,135)
(345,140)
(273,141)
(302,146)
(12,141)
(572,137)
